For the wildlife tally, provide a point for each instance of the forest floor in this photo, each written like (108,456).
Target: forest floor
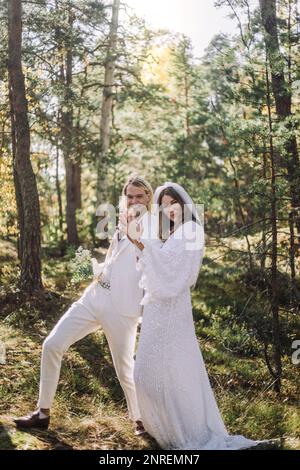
(90,410)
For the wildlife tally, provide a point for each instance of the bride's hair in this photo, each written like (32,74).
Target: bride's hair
(166,226)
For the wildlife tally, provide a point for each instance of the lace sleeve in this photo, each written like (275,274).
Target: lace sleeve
(168,270)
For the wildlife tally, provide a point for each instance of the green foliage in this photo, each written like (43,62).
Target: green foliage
(81,266)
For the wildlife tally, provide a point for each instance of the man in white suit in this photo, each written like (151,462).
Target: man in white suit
(112,302)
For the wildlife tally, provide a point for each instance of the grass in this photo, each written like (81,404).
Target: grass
(90,409)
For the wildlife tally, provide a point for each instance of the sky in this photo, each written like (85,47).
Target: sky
(198,19)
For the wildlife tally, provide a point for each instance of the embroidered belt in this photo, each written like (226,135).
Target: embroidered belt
(105,285)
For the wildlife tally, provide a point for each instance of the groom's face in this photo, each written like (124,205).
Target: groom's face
(136,195)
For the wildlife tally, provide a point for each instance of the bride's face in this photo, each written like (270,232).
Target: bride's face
(171,208)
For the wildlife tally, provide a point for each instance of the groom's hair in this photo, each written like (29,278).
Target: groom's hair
(140,182)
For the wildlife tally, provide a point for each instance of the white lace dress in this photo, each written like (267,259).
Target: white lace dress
(177,404)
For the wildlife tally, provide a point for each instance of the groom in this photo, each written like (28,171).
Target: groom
(112,302)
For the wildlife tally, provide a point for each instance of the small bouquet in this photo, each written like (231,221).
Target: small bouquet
(81,266)
(84,267)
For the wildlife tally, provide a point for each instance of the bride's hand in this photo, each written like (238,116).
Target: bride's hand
(131,228)
(138,232)
(134,230)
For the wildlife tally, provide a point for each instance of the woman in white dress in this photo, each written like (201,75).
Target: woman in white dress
(176,401)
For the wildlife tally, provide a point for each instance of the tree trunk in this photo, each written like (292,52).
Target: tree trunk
(283,102)
(264,224)
(16,183)
(59,200)
(71,164)
(107,104)
(274,281)
(24,178)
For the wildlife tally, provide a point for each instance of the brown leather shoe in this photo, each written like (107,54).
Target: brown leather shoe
(32,421)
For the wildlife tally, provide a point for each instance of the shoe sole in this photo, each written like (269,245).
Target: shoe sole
(34,426)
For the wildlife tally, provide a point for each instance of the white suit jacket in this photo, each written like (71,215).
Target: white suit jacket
(126,295)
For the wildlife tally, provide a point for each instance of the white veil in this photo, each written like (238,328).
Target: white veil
(182,193)
(200,242)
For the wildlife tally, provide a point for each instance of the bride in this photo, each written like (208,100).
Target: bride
(176,401)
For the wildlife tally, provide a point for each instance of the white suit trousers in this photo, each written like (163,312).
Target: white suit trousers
(92,311)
